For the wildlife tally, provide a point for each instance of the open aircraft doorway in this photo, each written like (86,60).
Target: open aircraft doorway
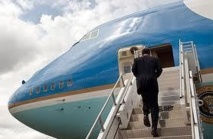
(165,54)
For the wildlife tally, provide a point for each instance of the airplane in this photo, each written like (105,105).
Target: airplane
(64,98)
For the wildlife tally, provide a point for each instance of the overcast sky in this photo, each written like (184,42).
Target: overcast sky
(33,33)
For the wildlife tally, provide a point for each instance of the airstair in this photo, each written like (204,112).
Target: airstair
(178,103)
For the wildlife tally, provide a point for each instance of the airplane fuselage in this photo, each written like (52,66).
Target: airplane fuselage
(64,98)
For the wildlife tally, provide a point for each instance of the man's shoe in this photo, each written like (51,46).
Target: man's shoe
(146,121)
(154,133)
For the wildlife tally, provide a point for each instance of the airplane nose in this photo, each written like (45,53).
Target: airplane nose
(13,99)
(18,98)
(21,103)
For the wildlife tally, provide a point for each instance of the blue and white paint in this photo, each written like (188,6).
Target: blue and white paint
(69,109)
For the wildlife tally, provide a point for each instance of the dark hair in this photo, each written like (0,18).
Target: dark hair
(145,51)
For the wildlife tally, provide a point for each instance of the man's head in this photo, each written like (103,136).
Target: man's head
(145,51)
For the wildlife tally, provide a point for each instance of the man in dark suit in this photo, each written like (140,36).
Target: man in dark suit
(147,69)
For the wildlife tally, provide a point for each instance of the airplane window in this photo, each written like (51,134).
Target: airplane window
(94,34)
(31,91)
(53,86)
(37,89)
(90,35)
(61,84)
(45,88)
(69,82)
(124,53)
(127,69)
(87,36)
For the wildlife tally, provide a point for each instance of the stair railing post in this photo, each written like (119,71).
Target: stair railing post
(122,79)
(197,63)
(113,98)
(101,123)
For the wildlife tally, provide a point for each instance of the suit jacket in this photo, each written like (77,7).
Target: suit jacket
(147,69)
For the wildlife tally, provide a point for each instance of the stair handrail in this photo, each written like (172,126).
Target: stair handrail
(188,87)
(119,101)
(184,48)
(197,62)
(183,90)
(191,47)
(127,86)
(117,104)
(181,64)
(104,106)
(194,110)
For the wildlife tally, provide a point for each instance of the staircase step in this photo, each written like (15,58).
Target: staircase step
(167,75)
(168,78)
(169,88)
(172,114)
(178,122)
(168,98)
(164,108)
(169,93)
(172,102)
(162,115)
(169,83)
(171,68)
(169,137)
(164,103)
(172,131)
(166,72)
(170,73)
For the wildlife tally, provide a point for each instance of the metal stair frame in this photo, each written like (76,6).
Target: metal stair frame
(188,95)
(120,113)
(109,128)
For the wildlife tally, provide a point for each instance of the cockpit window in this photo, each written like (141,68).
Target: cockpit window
(94,34)
(90,35)
(87,36)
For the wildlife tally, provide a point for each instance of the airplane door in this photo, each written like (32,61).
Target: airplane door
(165,55)
(126,59)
